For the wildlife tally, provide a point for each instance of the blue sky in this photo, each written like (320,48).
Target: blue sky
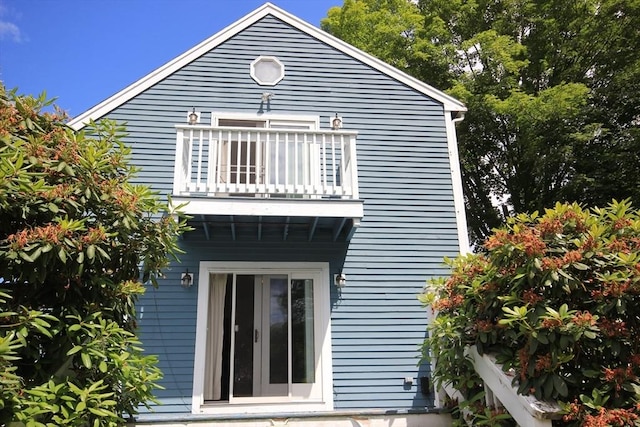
(83,51)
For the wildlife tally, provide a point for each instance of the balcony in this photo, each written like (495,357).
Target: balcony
(253,177)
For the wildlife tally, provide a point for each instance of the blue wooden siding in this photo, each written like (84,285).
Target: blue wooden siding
(405,181)
(169,312)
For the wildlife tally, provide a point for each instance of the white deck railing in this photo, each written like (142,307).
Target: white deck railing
(214,161)
(527,411)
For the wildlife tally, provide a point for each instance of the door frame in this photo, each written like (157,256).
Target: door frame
(322,340)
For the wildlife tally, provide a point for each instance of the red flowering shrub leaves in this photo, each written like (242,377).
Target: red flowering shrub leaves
(556,297)
(77,241)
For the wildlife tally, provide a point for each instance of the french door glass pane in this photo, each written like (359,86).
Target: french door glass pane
(244,337)
(274,352)
(278,330)
(303,366)
(243,160)
(289,160)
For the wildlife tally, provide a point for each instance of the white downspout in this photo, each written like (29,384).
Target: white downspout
(456,179)
(461,221)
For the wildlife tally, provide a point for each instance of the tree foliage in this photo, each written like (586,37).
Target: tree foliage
(556,297)
(551,87)
(76,240)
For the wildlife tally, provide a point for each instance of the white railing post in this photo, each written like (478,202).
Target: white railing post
(315,171)
(199,186)
(296,166)
(324,164)
(275,162)
(236,174)
(188,162)
(227,164)
(352,174)
(247,160)
(334,161)
(179,175)
(266,165)
(343,170)
(212,160)
(218,165)
(259,166)
(287,165)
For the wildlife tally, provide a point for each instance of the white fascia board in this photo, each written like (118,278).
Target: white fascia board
(322,208)
(450,104)
(169,68)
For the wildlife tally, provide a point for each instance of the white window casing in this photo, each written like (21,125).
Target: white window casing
(267,70)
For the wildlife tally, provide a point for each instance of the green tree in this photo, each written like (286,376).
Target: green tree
(386,27)
(551,86)
(77,241)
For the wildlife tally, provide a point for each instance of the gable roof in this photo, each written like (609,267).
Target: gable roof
(450,104)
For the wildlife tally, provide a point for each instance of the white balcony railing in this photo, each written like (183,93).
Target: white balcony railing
(214,161)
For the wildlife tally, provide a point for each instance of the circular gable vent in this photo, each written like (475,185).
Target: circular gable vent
(267,70)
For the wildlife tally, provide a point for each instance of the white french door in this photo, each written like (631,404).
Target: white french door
(273,338)
(270,355)
(263,337)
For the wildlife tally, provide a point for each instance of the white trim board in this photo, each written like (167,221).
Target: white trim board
(266,117)
(273,206)
(450,104)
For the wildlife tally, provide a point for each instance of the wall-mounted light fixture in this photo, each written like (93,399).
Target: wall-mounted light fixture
(193,117)
(340,280)
(186,279)
(336,122)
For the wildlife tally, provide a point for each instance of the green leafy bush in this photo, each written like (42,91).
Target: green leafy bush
(76,237)
(556,298)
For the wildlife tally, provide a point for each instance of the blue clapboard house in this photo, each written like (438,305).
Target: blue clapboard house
(324,189)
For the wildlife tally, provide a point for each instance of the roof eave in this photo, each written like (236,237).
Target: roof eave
(449,103)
